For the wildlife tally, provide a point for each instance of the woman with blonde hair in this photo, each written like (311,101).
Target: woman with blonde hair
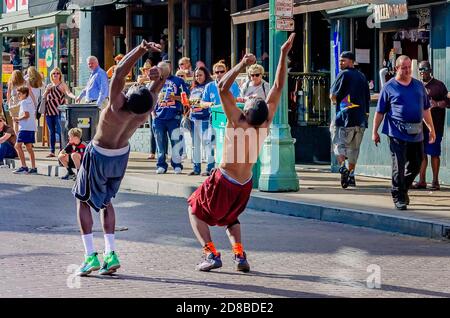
(34,78)
(184,64)
(35,85)
(14,83)
(54,95)
(255,86)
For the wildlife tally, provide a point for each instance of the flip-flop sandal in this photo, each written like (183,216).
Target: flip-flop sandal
(435,187)
(419,186)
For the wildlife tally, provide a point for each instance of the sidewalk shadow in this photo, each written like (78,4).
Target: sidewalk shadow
(228,286)
(348,283)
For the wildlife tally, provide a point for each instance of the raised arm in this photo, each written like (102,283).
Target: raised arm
(158,76)
(232,112)
(280,78)
(125,66)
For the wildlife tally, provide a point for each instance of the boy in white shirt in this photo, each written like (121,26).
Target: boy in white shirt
(27,129)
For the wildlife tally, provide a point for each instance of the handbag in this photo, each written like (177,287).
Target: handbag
(14,107)
(39,104)
(413,128)
(186,123)
(409,128)
(42,105)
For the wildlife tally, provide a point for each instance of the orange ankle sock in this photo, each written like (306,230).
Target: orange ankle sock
(210,248)
(238,249)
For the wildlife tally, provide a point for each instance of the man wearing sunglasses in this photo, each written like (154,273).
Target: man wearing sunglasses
(437,93)
(211,93)
(255,86)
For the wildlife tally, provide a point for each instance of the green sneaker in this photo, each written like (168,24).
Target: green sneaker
(91,263)
(110,263)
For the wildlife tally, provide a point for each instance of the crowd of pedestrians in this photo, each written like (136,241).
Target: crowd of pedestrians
(184,108)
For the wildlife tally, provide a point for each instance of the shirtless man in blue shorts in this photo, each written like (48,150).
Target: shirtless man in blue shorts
(106,157)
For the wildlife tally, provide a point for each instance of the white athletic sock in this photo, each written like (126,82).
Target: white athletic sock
(109,243)
(88,241)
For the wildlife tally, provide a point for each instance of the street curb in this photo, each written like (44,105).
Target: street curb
(259,201)
(374,220)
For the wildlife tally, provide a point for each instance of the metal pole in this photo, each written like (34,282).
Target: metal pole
(278,154)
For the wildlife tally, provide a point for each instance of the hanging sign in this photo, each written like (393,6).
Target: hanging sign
(46,50)
(285,24)
(15,5)
(393,11)
(7,70)
(284,8)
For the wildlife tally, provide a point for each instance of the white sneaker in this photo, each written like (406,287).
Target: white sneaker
(177,170)
(160,170)
(4,166)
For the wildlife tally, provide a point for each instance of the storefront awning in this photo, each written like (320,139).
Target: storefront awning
(38,7)
(261,12)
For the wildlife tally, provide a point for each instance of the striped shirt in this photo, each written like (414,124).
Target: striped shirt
(55,98)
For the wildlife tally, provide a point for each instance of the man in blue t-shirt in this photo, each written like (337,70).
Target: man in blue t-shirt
(168,114)
(211,92)
(351,95)
(403,105)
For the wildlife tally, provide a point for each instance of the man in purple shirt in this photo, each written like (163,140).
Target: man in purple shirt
(403,105)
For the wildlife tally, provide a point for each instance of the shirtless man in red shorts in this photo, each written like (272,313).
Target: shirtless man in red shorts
(224,195)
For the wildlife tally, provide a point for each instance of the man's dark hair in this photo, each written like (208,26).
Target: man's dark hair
(425,64)
(348,55)
(140,101)
(257,112)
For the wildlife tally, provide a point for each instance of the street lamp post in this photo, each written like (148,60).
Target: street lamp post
(278,155)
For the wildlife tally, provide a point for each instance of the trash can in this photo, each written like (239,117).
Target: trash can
(84,116)
(219,123)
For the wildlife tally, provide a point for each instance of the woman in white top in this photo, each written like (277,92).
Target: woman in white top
(255,86)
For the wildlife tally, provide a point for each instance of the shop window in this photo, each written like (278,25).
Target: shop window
(19,52)
(364,44)
(411,42)
(200,10)
(200,39)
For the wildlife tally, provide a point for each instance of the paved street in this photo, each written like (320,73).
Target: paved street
(40,248)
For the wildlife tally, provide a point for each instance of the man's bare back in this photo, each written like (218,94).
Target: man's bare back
(243,141)
(117,122)
(241,147)
(115,128)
